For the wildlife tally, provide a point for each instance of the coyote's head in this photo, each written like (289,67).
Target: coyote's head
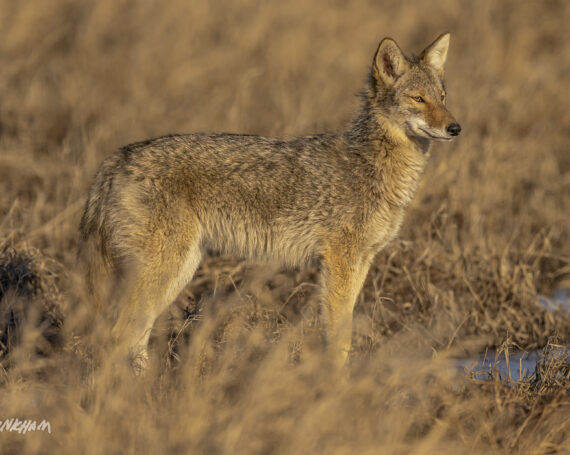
(409,92)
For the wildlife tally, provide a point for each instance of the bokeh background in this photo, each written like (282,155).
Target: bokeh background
(236,363)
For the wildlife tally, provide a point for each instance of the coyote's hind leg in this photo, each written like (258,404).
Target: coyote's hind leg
(158,274)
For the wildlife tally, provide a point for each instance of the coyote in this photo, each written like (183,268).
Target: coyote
(333,199)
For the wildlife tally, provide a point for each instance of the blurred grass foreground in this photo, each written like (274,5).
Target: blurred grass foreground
(236,363)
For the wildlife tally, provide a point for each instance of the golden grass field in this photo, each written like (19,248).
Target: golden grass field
(236,363)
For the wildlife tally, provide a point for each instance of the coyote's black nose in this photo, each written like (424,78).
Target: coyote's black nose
(454,129)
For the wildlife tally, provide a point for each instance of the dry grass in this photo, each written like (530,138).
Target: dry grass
(236,366)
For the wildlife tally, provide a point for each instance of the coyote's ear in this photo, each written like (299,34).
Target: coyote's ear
(435,54)
(389,62)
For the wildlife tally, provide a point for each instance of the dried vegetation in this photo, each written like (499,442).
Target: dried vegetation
(237,366)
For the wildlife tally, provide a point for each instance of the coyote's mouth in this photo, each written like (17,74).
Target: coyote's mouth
(436,137)
(419,128)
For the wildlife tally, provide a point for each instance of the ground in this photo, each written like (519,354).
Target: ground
(236,364)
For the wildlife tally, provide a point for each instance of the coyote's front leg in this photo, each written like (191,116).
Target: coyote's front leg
(343,274)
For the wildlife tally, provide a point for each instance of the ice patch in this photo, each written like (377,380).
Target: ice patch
(559,301)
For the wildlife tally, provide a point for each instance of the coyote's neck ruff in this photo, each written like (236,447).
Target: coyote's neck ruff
(156,206)
(397,161)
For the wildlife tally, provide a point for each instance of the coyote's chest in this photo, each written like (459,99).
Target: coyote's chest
(400,174)
(383,227)
(398,177)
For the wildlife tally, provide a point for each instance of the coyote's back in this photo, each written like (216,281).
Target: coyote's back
(335,199)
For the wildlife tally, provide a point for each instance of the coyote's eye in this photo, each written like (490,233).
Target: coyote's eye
(443,97)
(418,99)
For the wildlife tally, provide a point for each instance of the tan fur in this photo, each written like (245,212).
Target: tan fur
(335,198)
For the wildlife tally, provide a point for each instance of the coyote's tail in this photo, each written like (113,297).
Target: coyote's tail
(94,262)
